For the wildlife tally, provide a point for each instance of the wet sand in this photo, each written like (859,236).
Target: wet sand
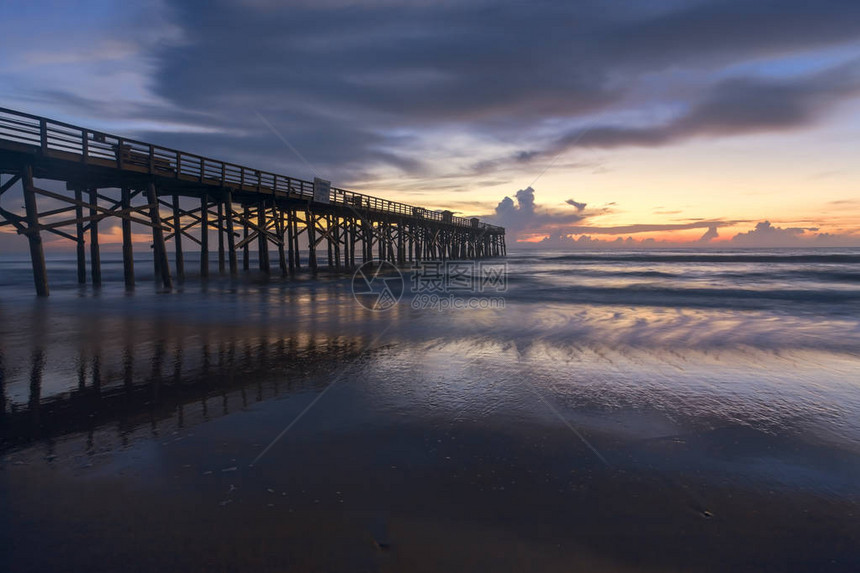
(411,445)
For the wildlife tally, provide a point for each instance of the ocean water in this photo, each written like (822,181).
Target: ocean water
(605,406)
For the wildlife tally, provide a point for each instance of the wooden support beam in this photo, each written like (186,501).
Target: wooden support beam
(298,255)
(127,250)
(381,242)
(410,247)
(97,213)
(329,240)
(60,234)
(310,225)
(183,230)
(192,213)
(401,249)
(231,238)
(14,220)
(279,227)
(80,248)
(37,253)
(251,238)
(337,241)
(59,211)
(6,186)
(365,235)
(351,257)
(291,256)
(179,256)
(158,237)
(246,254)
(221,254)
(262,241)
(204,236)
(95,257)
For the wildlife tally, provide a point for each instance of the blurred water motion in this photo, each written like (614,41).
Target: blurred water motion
(672,411)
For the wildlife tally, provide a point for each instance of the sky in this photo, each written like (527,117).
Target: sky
(575,124)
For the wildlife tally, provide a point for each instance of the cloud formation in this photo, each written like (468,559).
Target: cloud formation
(437,96)
(709,235)
(363,86)
(734,106)
(526,220)
(525,216)
(766,235)
(577,205)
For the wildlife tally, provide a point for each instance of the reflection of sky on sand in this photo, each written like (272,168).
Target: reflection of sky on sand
(699,366)
(645,326)
(155,363)
(592,433)
(614,389)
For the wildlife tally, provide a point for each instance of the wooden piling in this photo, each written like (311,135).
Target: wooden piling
(221,257)
(80,247)
(298,254)
(401,250)
(160,251)
(337,241)
(310,225)
(95,257)
(204,236)
(127,249)
(37,252)
(329,241)
(352,231)
(366,241)
(231,239)
(262,239)
(246,253)
(279,229)
(177,240)
(288,237)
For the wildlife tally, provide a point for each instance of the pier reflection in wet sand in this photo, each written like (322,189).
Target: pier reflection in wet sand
(134,376)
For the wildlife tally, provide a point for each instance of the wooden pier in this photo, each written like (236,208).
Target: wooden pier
(184,198)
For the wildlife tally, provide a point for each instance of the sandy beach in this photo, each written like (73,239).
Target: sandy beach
(283,427)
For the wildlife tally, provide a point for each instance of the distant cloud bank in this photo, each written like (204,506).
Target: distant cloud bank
(526,220)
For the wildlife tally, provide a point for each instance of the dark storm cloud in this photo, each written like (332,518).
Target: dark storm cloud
(733,106)
(355,85)
(471,59)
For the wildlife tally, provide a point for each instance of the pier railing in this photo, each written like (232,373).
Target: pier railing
(65,141)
